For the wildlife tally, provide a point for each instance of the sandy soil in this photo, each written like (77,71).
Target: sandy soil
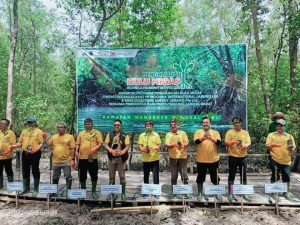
(64,213)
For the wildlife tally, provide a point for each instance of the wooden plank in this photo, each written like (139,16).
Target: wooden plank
(141,209)
(262,207)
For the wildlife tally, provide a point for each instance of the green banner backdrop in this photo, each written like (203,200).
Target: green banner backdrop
(162,83)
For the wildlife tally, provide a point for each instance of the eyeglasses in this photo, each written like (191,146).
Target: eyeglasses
(60,127)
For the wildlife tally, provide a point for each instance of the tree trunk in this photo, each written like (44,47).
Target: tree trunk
(259,57)
(10,70)
(293,51)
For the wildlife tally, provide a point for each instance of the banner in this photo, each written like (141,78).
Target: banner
(161,84)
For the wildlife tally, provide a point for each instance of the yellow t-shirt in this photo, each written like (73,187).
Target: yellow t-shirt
(116,139)
(87,140)
(151,140)
(207,150)
(172,138)
(280,154)
(233,135)
(61,147)
(7,139)
(33,137)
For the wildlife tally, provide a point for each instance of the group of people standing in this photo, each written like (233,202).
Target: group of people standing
(65,150)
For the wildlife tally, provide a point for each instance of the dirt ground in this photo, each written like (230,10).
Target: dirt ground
(64,213)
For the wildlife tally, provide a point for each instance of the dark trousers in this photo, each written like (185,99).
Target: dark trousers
(84,166)
(33,161)
(7,164)
(178,165)
(212,168)
(154,167)
(233,164)
(272,167)
(284,169)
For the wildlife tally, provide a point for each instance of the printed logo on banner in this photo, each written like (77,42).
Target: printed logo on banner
(48,188)
(275,188)
(214,189)
(151,189)
(77,193)
(242,189)
(14,186)
(111,189)
(182,189)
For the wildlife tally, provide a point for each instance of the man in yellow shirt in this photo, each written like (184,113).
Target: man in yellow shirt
(207,141)
(7,139)
(31,142)
(149,145)
(237,141)
(88,144)
(282,146)
(63,147)
(117,145)
(177,142)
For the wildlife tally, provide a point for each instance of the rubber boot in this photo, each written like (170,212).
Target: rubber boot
(1,182)
(231,197)
(36,184)
(54,181)
(26,185)
(10,178)
(123,196)
(83,185)
(200,192)
(94,190)
(287,195)
(69,184)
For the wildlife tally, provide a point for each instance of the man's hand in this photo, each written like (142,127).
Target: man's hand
(72,164)
(77,154)
(210,137)
(234,142)
(274,144)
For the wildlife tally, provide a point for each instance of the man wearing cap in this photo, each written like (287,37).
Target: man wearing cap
(88,144)
(207,141)
(149,145)
(117,145)
(281,146)
(63,147)
(177,142)
(7,139)
(31,142)
(237,141)
(272,128)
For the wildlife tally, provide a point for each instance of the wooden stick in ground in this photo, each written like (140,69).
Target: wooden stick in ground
(141,209)
(79,207)
(151,207)
(111,202)
(48,201)
(17,199)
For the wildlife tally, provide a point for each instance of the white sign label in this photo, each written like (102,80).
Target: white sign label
(151,189)
(15,186)
(111,189)
(242,189)
(48,188)
(214,189)
(182,189)
(275,188)
(76,193)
